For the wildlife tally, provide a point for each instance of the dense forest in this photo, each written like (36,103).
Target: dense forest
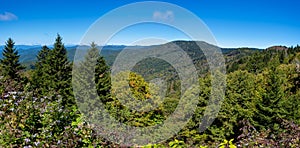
(38,107)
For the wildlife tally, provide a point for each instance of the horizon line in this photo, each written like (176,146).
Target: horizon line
(115,44)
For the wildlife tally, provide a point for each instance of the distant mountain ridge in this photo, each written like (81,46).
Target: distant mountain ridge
(28,53)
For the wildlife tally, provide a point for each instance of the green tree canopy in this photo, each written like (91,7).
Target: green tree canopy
(10,63)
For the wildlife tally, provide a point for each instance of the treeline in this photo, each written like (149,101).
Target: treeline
(38,107)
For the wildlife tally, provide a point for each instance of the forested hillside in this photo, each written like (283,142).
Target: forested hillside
(38,107)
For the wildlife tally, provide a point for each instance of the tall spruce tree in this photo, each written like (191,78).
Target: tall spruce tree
(102,77)
(53,72)
(94,63)
(60,71)
(268,106)
(90,73)
(10,64)
(42,56)
(60,66)
(40,78)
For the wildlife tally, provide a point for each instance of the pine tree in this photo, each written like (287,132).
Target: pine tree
(40,77)
(102,78)
(59,72)
(10,64)
(53,72)
(269,106)
(60,66)
(91,81)
(92,70)
(42,55)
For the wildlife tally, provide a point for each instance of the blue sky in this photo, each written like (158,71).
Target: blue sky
(234,23)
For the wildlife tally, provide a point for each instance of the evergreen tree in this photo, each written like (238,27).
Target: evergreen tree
(10,64)
(272,93)
(92,70)
(60,71)
(102,77)
(43,55)
(53,73)
(60,66)
(40,77)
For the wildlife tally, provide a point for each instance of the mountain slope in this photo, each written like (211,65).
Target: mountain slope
(110,52)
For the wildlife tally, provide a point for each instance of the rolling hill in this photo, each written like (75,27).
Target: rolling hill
(28,55)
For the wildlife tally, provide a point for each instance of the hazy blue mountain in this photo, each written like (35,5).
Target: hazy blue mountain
(28,53)
(23,47)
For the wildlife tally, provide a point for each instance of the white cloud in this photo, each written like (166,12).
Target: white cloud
(167,16)
(7,16)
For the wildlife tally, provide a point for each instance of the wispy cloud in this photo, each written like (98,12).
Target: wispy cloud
(7,16)
(167,16)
